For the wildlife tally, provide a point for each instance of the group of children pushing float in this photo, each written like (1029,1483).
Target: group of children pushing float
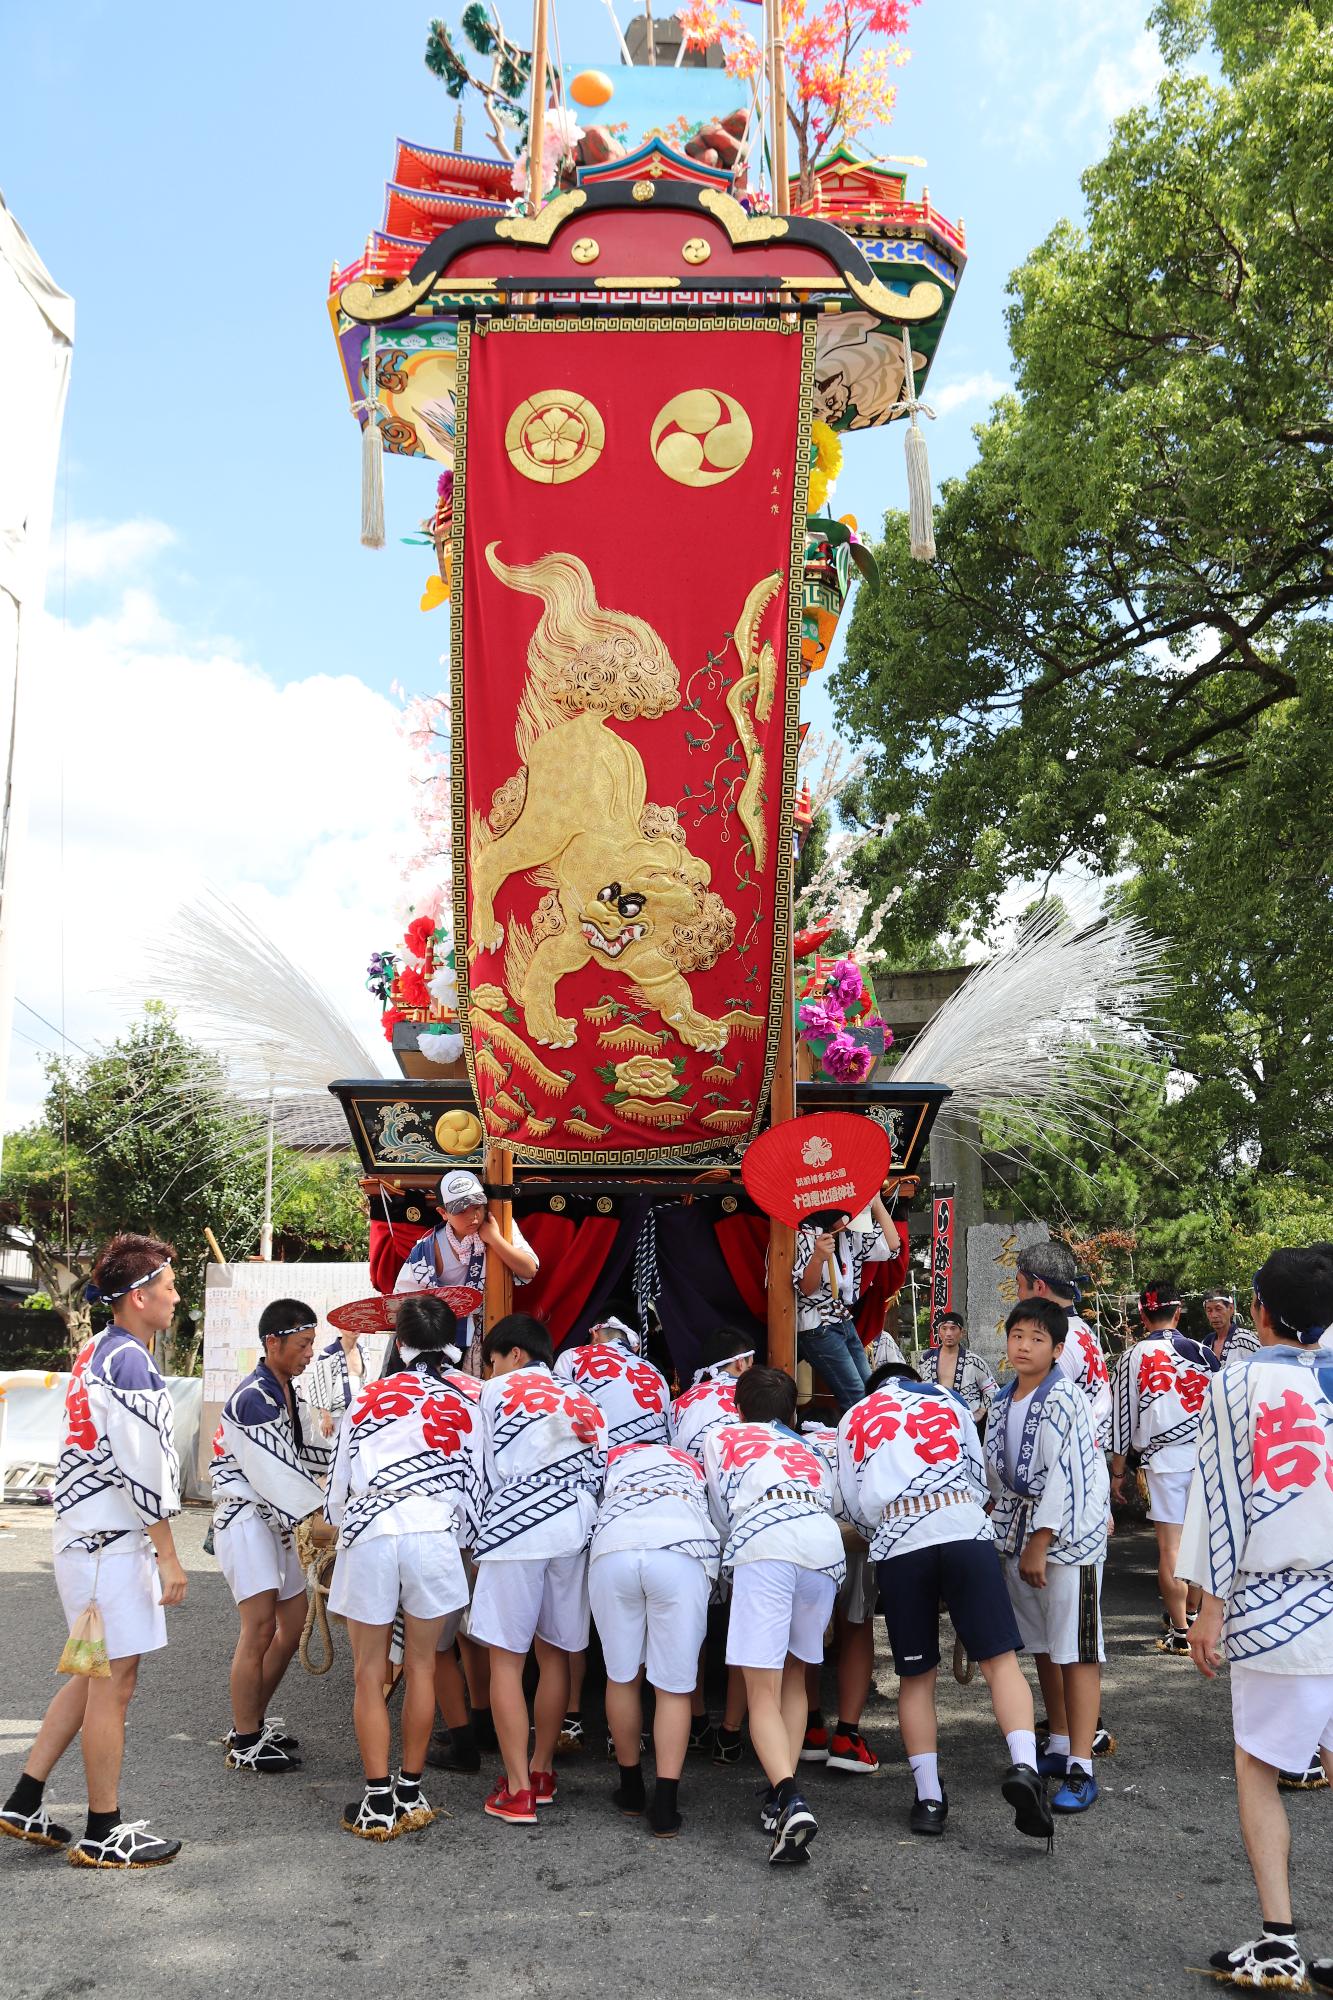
(507,1504)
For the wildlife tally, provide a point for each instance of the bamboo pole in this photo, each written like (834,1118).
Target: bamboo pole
(499,1277)
(537,108)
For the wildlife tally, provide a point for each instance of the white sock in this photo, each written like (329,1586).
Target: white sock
(1022,1746)
(1058,1747)
(926,1772)
(1083,1764)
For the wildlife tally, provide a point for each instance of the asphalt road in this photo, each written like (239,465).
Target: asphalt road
(270,1897)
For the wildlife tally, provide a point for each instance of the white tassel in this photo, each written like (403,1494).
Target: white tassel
(372,459)
(920,507)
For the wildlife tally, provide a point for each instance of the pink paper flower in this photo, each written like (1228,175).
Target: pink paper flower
(846,984)
(846,1061)
(820,1018)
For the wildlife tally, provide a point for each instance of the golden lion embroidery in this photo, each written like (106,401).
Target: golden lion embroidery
(620,886)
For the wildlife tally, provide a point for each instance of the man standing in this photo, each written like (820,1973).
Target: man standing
(1229,1340)
(1049,1271)
(265,1474)
(1258,1536)
(117,1486)
(456,1253)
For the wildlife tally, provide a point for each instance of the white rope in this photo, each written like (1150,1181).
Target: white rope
(372,456)
(920,507)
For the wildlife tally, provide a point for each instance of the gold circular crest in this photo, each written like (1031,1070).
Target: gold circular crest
(554,435)
(701,437)
(558,1203)
(457,1132)
(697,251)
(414,1214)
(586,251)
(604,1204)
(643,190)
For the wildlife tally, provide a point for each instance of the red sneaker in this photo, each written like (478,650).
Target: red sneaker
(814,1750)
(851,1753)
(517,1807)
(543,1788)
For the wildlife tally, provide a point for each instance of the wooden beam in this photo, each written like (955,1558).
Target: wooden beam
(499,1277)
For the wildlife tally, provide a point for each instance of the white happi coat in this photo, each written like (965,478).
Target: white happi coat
(1160,1386)
(631,1394)
(118,1469)
(1061,1481)
(655,1498)
(901,1450)
(408,1462)
(328,1384)
(263,1463)
(1259,1525)
(774,1498)
(704,1408)
(544,1461)
(973,1382)
(1082,1360)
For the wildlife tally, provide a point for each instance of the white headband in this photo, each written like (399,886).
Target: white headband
(714,1368)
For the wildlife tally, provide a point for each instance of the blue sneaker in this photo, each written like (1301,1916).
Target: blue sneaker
(1052,1764)
(1078,1792)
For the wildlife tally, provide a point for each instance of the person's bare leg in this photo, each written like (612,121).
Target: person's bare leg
(671,1733)
(1083,1698)
(370,1711)
(918,1724)
(420,1638)
(1267,1834)
(104,1733)
(856,1668)
(1052,1693)
(259,1627)
(698,1706)
(733,1714)
(450,1690)
(578,1667)
(768,1728)
(1010,1695)
(550,1705)
(1193,1598)
(509,1710)
(476,1671)
(624,1718)
(291,1624)
(1173,1593)
(60,1725)
(794,1710)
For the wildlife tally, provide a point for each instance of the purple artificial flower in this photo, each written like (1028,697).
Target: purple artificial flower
(847,1061)
(846,984)
(444,485)
(820,1018)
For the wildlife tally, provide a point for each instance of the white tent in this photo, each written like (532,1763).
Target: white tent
(36,341)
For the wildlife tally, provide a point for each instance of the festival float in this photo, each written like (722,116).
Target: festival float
(633,369)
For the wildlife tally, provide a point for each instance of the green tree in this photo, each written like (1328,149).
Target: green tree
(1124,659)
(321,1211)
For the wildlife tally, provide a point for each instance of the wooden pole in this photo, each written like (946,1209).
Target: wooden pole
(781,1239)
(499,1277)
(537,108)
(778,92)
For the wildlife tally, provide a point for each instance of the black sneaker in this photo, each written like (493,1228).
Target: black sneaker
(796,1828)
(1265,1961)
(38,1827)
(703,1735)
(447,1754)
(374,1816)
(1024,1791)
(262,1756)
(129,1845)
(928,1815)
(769,1809)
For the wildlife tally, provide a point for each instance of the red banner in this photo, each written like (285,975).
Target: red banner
(629,507)
(941,1257)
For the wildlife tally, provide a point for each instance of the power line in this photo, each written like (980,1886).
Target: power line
(48,1024)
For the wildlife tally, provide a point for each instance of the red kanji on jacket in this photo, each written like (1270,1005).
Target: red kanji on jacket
(873,1422)
(1094,1359)
(1288,1443)
(934,1426)
(1156,1374)
(647,1386)
(80,1430)
(585,1419)
(599,1363)
(1191,1387)
(444,1422)
(800,1462)
(392,1396)
(530,1394)
(723,1392)
(740,1445)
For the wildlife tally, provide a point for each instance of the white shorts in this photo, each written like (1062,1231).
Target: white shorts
(650,1605)
(255,1557)
(519,1600)
(1167,1493)
(1064,1620)
(1282,1718)
(423,1572)
(778,1608)
(858,1593)
(128,1592)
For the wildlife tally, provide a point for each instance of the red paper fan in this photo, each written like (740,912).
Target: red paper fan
(380,1314)
(806,1166)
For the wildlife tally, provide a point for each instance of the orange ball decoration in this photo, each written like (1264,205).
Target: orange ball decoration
(591,87)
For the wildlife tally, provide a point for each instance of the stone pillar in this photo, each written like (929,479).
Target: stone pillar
(958,1159)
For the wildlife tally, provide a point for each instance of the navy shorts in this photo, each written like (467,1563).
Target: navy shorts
(968,1579)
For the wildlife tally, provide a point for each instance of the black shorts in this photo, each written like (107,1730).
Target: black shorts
(968,1579)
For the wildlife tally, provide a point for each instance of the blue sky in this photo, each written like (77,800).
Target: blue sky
(190,178)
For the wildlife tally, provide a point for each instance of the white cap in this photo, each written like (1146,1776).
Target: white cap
(460,1190)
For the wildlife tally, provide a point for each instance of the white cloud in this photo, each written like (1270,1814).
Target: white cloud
(1065,68)
(102,551)
(951,396)
(183,767)
(1119,82)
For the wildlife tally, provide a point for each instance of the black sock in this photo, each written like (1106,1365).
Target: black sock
(245,1741)
(379,1784)
(630,1792)
(814,1719)
(1287,1931)
(662,1814)
(845,1728)
(26,1795)
(483,1729)
(464,1737)
(410,1780)
(725,1735)
(784,1793)
(100,1824)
